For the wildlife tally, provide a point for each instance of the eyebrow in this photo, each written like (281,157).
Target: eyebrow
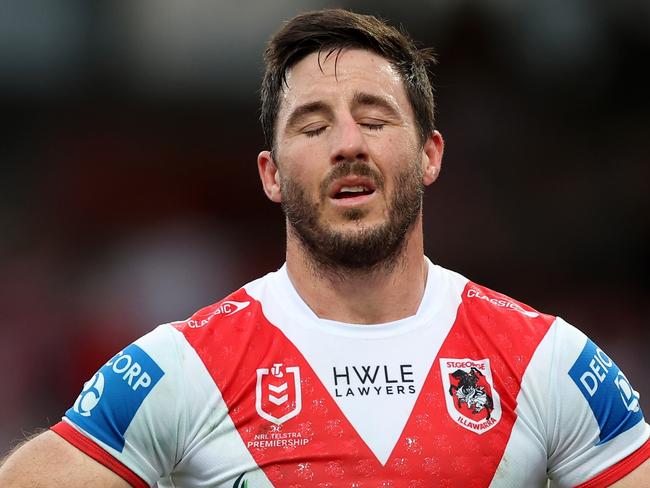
(307,109)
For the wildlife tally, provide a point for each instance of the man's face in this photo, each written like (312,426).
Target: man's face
(350,164)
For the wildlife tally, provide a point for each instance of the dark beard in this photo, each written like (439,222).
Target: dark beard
(363,250)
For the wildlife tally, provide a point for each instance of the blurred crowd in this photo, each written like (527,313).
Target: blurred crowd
(129,193)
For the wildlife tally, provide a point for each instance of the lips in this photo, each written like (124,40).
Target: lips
(351,187)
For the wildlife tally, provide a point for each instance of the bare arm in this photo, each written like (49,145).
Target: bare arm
(48,461)
(639,478)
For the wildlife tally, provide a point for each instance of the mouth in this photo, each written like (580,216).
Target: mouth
(352,188)
(352,192)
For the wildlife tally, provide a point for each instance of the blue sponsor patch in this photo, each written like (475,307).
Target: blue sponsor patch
(611,398)
(110,399)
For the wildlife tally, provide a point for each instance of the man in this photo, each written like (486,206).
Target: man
(359,363)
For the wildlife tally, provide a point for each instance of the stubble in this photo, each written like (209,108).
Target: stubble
(363,249)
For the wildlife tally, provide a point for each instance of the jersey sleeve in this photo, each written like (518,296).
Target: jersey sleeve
(130,415)
(596,432)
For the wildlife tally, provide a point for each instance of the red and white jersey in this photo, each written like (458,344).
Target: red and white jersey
(474,390)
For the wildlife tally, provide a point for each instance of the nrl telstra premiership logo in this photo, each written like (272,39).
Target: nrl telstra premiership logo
(277,393)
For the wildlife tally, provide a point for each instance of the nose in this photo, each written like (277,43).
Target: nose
(348,142)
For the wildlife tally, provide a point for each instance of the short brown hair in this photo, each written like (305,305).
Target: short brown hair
(335,29)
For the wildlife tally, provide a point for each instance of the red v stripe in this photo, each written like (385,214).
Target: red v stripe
(319,444)
(444,448)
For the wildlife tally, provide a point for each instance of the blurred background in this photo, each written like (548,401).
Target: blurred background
(129,193)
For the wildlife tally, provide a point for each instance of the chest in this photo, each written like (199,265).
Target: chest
(417,411)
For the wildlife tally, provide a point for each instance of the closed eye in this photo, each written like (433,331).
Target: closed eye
(372,126)
(314,132)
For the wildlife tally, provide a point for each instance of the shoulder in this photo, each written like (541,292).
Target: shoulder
(234,320)
(499,312)
(230,306)
(238,306)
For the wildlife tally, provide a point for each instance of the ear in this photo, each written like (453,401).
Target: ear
(270,176)
(432,157)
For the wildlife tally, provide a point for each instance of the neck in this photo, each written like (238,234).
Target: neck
(378,295)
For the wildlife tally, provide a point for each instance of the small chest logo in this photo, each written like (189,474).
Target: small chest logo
(277,393)
(472,402)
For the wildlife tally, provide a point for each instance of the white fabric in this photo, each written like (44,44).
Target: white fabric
(182,434)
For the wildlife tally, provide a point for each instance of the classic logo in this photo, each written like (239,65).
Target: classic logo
(277,393)
(470,396)
(226,308)
(500,302)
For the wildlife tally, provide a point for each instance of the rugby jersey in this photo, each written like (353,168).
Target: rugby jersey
(474,390)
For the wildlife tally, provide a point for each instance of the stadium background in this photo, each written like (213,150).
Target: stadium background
(129,193)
